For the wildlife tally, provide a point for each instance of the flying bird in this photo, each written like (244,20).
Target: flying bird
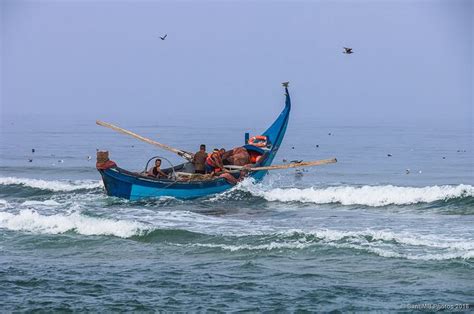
(296,161)
(163,37)
(347,50)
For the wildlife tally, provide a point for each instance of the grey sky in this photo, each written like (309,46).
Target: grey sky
(413,59)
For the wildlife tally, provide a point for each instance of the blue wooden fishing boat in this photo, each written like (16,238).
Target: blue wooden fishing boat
(131,185)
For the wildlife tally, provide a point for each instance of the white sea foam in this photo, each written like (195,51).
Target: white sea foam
(3,204)
(374,236)
(264,247)
(31,221)
(365,195)
(52,185)
(40,203)
(383,243)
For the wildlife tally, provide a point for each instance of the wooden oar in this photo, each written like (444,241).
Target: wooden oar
(292,165)
(182,153)
(297,164)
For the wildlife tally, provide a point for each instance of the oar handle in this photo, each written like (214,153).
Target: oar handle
(182,153)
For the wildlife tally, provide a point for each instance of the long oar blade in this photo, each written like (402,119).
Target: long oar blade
(297,165)
(182,153)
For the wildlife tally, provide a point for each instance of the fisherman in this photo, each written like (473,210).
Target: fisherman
(225,156)
(214,162)
(199,160)
(156,172)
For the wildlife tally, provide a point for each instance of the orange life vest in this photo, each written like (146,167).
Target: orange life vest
(259,141)
(211,162)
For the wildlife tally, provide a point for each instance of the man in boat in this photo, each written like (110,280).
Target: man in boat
(225,155)
(214,162)
(199,160)
(156,172)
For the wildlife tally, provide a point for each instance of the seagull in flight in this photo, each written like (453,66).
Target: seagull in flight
(163,37)
(347,50)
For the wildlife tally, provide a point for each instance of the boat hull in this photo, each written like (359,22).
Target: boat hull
(122,184)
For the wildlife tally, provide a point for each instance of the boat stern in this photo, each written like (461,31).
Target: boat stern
(113,185)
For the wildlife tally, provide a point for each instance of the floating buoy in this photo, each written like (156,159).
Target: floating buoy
(33,150)
(30,160)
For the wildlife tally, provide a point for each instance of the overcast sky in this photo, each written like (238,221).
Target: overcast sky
(413,60)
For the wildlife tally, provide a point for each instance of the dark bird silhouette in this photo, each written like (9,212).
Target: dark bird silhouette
(389,155)
(296,161)
(347,50)
(163,37)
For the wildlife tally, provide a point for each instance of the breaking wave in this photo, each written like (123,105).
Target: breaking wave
(53,185)
(384,243)
(378,242)
(31,221)
(365,195)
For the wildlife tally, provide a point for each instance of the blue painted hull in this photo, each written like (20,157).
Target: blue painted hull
(122,183)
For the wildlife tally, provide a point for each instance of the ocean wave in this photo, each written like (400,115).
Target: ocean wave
(179,229)
(382,243)
(32,221)
(52,185)
(373,196)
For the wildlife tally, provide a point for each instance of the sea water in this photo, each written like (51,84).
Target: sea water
(389,227)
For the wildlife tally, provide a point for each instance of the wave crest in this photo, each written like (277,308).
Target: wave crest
(365,195)
(53,185)
(383,243)
(31,221)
